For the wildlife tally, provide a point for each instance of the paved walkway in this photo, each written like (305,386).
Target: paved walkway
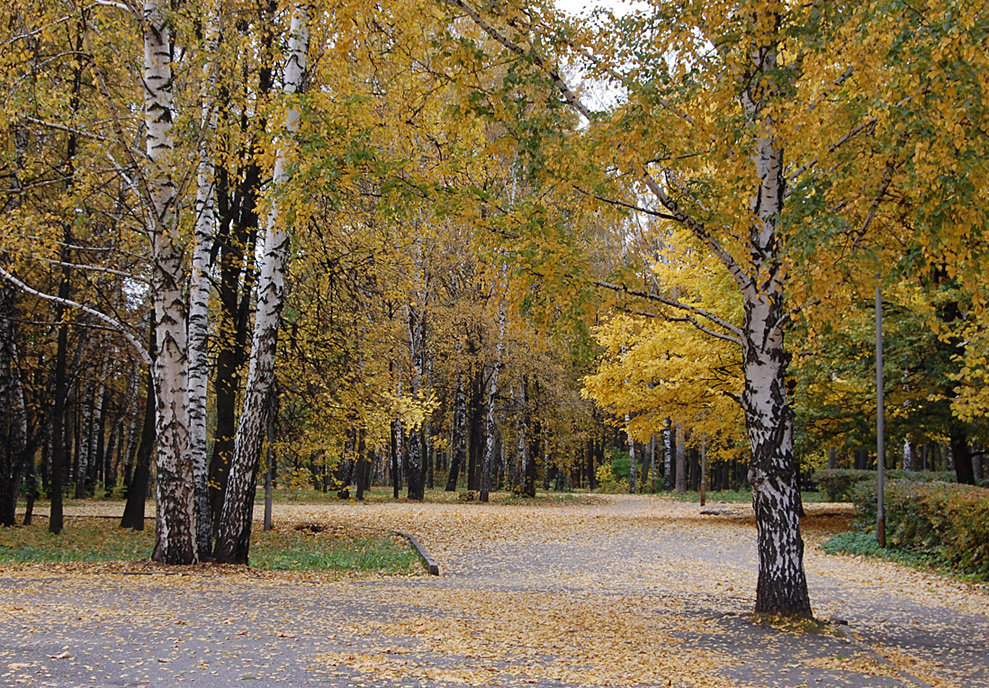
(609,591)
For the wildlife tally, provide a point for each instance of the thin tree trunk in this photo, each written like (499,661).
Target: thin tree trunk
(458,436)
(234,535)
(489,424)
(199,295)
(681,461)
(13,412)
(137,489)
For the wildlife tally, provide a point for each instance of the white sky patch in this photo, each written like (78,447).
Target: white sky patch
(598,95)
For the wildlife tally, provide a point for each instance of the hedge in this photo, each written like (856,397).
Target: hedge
(838,484)
(947,522)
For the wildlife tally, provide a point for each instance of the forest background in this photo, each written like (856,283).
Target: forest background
(347,243)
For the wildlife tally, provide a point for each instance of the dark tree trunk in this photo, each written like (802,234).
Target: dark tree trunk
(396,459)
(61,391)
(961,453)
(363,465)
(137,490)
(458,438)
(476,420)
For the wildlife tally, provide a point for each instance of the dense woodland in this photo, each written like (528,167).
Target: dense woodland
(485,246)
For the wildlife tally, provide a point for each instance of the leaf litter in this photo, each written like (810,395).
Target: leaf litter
(602,591)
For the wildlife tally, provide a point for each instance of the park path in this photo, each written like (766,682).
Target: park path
(593,591)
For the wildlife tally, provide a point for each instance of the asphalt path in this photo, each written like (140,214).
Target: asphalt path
(610,591)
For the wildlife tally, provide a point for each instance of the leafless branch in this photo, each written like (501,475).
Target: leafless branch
(112,322)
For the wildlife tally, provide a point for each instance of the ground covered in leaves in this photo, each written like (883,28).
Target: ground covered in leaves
(590,591)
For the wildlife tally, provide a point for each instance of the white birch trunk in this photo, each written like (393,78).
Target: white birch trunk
(417,332)
(175,525)
(668,453)
(680,450)
(234,533)
(782,585)
(489,422)
(86,439)
(199,294)
(631,458)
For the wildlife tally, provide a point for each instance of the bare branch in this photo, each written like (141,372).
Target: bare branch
(674,303)
(699,231)
(112,322)
(532,55)
(686,319)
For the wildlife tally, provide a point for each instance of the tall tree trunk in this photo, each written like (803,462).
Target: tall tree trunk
(782,585)
(476,448)
(199,294)
(61,393)
(417,339)
(234,534)
(13,412)
(175,523)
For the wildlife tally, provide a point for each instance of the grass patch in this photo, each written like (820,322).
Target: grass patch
(859,543)
(305,547)
(82,540)
(740,496)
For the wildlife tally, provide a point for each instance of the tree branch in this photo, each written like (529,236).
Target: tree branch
(673,303)
(112,322)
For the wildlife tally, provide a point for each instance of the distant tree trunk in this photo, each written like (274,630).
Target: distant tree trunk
(961,454)
(137,490)
(832,459)
(535,451)
(681,461)
(363,465)
(13,412)
(907,455)
(668,449)
(489,424)
(652,463)
(458,436)
(57,425)
(631,458)
(234,534)
(592,482)
(396,457)
(417,338)
(475,450)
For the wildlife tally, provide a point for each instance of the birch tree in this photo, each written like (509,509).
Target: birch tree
(233,538)
(175,526)
(731,114)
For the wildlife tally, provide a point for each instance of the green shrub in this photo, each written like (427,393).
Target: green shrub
(839,483)
(946,521)
(607,482)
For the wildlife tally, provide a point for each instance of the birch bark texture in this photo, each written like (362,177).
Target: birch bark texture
(489,422)
(175,524)
(782,584)
(234,534)
(199,292)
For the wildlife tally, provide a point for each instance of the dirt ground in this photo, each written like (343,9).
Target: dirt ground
(594,591)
